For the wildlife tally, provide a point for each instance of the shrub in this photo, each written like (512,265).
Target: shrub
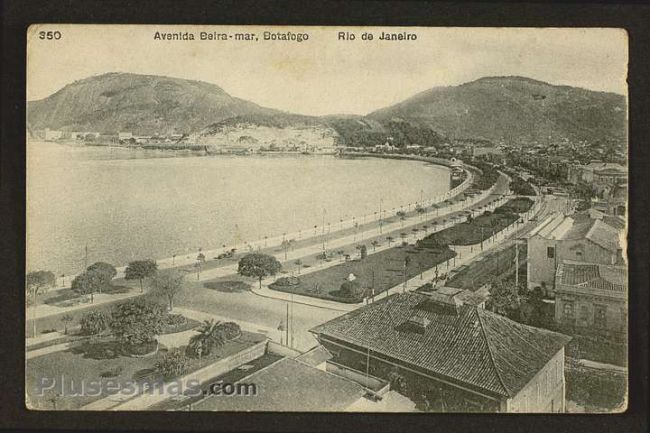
(93,323)
(351,289)
(230,330)
(287,281)
(172,321)
(173,364)
(137,322)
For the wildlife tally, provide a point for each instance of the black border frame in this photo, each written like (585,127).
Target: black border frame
(16,17)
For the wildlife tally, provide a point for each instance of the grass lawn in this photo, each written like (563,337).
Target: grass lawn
(67,297)
(77,365)
(481,227)
(387,267)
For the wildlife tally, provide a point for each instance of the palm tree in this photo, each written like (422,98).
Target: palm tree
(374,245)
(210,337)
(66,318)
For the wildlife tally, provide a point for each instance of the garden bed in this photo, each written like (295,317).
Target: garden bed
(480,228)
(78,364)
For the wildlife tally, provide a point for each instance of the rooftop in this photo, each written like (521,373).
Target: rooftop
(579,226)
(289,385)
(462,344)
(593,276)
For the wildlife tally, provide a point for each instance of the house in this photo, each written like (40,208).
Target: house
(614,201)
(386,147)
(456,357)
(51,134)
(493,154)
(592,297)
(597,173)
(125,136)
(577,237)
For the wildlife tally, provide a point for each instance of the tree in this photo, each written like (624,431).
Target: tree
(363,251)
(390,239)
(36,282)
(66,319)
(210,337)
(173,364)
(137,322)
(88,283)
(504,299)
(105,272)
(93,323)
(167,284)
(258,266)
(351,289)
(139,270)
(298,264)
(374,244)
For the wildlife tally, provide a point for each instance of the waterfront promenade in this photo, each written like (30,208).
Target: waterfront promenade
(330,228)
(442,217)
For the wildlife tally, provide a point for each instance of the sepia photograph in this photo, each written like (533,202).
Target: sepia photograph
(326,219)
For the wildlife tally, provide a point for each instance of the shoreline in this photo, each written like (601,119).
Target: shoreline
(309,234)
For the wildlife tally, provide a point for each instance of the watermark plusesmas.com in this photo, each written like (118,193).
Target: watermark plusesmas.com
(68,387)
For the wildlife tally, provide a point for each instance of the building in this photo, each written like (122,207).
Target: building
(592,297)
(125,136)
(493,154)
(577,237)
(614,201)
(457,357)
(386,147)
(597,173)
(51,134)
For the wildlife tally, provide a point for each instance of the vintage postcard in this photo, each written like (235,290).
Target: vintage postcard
(338,219)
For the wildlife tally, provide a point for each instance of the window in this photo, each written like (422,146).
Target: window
(584,315)
(600,316)
(550,252)
(578,254)
(568,309)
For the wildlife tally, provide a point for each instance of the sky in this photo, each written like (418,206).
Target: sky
(325,75)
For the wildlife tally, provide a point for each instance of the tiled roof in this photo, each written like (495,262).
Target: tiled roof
(462,344)
(593,276)
(579,226)
(604,235)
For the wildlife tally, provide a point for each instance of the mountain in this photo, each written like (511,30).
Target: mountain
(491,109)
(513,109)
(143,104)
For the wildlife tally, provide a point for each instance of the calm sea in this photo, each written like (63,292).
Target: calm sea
(126,204)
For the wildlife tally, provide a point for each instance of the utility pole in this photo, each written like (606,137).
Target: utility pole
(86,258)
(292,331)
(380,219)
(516,264)
(287,327)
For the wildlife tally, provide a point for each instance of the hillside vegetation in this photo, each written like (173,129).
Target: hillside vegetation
(488,110)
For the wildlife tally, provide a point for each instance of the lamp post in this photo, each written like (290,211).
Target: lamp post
(380,217)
